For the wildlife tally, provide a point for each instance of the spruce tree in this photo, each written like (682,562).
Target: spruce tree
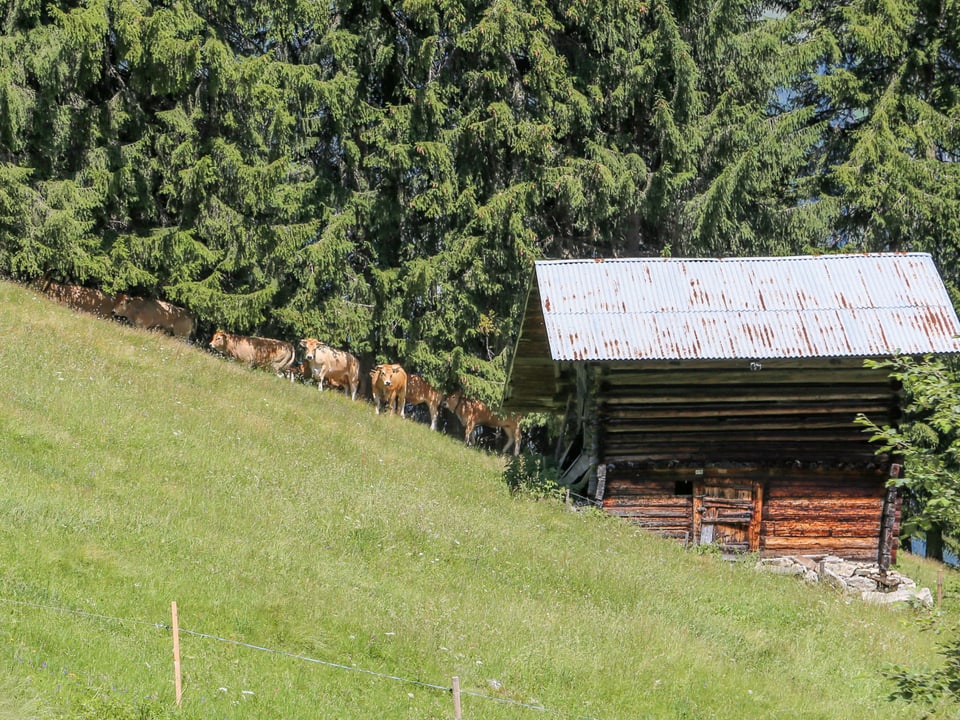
(383,176)
(886,88)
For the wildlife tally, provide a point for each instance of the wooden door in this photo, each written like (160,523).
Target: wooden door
(727,512)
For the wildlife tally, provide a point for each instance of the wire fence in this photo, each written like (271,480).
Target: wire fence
(166,627)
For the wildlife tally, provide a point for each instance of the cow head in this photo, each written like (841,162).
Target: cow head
(310,345)
(120,305)
(452,401)
(219,340)
(385,374)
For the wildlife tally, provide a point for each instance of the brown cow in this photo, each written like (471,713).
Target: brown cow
(89,300)
(257,352)
(151,314)
(324,363)
(420,391)
(388,383)
(474,412)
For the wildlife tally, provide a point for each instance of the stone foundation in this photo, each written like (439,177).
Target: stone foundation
(854,578)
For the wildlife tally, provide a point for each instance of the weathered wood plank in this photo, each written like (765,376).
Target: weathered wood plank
(684,503)
(810,546)
(835,519)
(756,526)
(734,424)
(773,454)
(806,453)
(846,488)
(812,529)
(657,396)
(849,410)
(787,510)
(657,518)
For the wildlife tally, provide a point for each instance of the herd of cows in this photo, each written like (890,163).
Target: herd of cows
(391,387)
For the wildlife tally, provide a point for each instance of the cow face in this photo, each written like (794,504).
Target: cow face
(121,304)
(385,375)
(310,345)
(452,401)
(219,340)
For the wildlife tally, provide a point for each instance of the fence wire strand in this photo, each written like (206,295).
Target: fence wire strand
(293,656)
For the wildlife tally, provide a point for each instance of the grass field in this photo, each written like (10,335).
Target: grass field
(330,563)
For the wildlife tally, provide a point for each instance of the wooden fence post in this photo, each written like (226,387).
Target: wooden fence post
(177,683)
(456,699)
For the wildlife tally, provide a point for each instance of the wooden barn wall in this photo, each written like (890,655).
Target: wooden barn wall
(789,426)
(828,512)
(726,412)
(804,512)
(652,499)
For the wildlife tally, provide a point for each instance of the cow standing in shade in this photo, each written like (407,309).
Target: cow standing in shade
(88,300)
(151,314)
(420,391)
(257,352)
(389,386)
(326,364)
(474,412)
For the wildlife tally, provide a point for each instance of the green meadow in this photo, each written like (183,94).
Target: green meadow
(327,562)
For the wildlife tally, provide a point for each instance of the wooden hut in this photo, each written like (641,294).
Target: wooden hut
(714,400)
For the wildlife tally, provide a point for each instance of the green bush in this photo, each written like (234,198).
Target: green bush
(533,475)
(941,685)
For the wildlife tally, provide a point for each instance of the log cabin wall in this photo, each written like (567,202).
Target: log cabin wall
(823,511)
(660,500)
(692,447)
(779,411)
(804,512)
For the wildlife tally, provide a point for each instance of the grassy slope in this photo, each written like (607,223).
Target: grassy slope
(138,470)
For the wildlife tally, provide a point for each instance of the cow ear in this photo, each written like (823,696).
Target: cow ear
(303,343)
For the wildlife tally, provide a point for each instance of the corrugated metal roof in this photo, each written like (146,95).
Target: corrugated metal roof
(729,308)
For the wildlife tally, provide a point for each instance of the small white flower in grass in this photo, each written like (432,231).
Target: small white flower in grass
(410,695)
(223,689)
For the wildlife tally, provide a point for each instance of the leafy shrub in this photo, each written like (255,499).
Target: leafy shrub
(930,687)
(533,475)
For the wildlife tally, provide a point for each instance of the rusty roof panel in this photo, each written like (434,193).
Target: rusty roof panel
(793,307)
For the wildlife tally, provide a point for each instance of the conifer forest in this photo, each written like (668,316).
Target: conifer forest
(383,174)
